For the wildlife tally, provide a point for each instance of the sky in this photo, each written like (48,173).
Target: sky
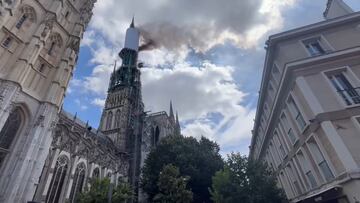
(207,59)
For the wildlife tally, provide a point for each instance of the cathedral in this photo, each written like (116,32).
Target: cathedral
(47,154)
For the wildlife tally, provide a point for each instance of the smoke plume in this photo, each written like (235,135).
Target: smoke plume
(199,24)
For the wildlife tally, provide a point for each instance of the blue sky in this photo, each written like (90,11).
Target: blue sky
(208,61)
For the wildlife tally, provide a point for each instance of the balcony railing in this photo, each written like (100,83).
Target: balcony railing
(351,96)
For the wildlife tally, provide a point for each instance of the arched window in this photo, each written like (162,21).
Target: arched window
(117,119)
(152,137)
(96,173)
(78,182)
(157,135)
(109,120)
(27,15)
(53,44)
(57,180)
(9,131)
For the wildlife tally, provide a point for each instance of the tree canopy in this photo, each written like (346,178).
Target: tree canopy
(199,160)
(245,180)
(172,187)
(98,192)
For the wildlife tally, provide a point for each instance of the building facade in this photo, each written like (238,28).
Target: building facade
(307,126)
(46,154)
(39,48)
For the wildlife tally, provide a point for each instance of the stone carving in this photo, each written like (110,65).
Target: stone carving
(48,24)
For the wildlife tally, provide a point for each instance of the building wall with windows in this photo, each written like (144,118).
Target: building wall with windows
(307,124)
(78,154)
(39,45)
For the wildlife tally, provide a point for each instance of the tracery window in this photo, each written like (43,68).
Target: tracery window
(96,173)
(58,179)
(117,119)
(27,14)
(8,132)
(157,135)
(53,44)
(109,120)
(78,182)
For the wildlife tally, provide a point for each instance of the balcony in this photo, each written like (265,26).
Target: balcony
(351,96)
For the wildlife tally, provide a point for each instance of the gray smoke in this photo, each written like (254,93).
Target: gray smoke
(176,23)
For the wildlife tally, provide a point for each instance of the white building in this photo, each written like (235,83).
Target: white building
(307,126)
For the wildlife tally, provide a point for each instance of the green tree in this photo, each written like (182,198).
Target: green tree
(245,180)
(172,187)
(198,160)
(98,192)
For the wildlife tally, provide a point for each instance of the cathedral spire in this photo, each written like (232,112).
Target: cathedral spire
(177,125)
(171,114)
(132,25)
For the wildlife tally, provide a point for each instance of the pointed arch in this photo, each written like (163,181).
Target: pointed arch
(53,44)
(117,118)
(109,120)
(96,173)
(152,137)
(157,135)
(78,182)
(10,130)
(27,13)
(58,179)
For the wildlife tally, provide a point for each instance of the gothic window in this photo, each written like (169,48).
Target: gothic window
(27,15)
(58,179)
(7,42)
(109,121)
(78,182)
(117,119)
(152,137)
(157,135)
(53,44)
(96,173)
(9,131)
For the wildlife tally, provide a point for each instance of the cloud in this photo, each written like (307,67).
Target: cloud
(199,24)
(98,102)
(207,92)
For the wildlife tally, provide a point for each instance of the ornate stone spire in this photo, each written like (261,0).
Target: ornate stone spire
(177,125)
(171,114)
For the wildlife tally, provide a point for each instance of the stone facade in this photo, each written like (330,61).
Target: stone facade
(307,125)
(39,48)
(46,154)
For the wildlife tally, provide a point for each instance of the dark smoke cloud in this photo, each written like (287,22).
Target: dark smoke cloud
(175,24)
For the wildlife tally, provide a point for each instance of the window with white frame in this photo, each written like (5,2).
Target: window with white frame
(320,161)
(314,46)
(305,166)
(294,179)
(281,147)
(275,154)
(288,129)
(295,112)
(276,73)
(271,90)
(343,86)
(286,184)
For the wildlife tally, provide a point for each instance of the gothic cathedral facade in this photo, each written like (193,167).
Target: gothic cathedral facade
(47,154)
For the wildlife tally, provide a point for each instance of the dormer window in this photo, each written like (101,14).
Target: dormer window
(314,46)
